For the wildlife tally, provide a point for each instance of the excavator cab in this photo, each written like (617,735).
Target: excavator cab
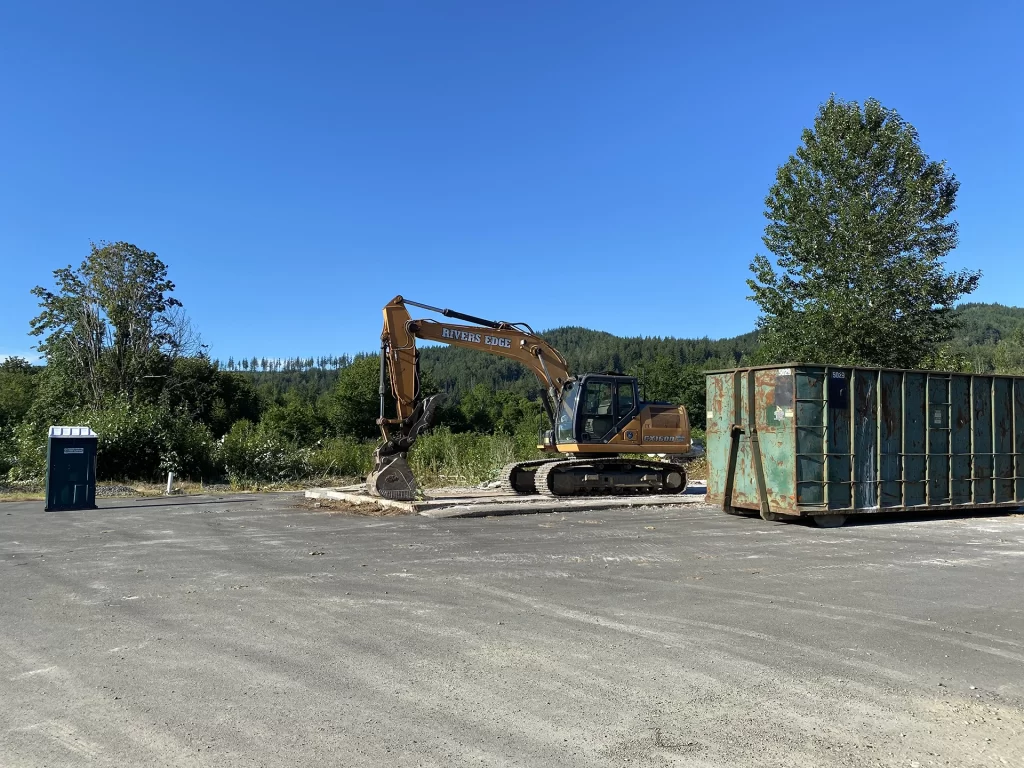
(593,409)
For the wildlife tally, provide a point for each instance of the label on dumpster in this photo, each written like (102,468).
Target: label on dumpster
(74,450)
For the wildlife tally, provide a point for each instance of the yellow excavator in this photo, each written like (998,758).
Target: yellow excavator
(596,419)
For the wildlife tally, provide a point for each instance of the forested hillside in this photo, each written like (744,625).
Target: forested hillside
(986,336)
(456,370)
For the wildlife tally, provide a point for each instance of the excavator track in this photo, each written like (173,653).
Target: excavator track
(609,477)
(518,476)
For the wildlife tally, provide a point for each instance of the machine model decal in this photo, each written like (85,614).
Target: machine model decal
(664,439)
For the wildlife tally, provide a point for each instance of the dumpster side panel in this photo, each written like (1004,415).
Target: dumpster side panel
(732,475)
(719,424)
(915,485)
(1003,443)
(865,438)
(890,438)
(775,413)
(981,428)
(1018,410)
(960,430)
(744,484)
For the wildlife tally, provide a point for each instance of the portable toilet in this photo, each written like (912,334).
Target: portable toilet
(71,468)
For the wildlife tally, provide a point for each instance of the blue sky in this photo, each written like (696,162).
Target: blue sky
(561,163)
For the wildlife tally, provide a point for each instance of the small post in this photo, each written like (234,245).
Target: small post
(170,483)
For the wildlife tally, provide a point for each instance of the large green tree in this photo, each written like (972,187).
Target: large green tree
(17,390)
(859,224)
(351,408)
(112,321)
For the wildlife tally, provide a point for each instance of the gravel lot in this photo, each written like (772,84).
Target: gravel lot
(247,631)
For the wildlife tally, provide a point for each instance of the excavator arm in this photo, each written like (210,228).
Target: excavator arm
(391,476)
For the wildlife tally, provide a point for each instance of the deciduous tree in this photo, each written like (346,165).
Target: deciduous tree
(859,224)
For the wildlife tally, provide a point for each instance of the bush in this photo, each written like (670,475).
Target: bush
(188,449)
(130,440)
(136,441)
(28,452)
(342,457)
(7,451)
(252,456)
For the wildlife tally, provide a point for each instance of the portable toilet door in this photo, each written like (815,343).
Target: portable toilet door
(71,468)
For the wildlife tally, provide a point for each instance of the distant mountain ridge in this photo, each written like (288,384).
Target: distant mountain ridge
(457,370)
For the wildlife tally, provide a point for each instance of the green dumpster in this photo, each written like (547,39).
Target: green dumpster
(71,468)
(803,440)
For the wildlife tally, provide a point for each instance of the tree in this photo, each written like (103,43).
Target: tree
(112,321)
(859,222)
(667,380)
(1009,354)
(17,390)
(353,405)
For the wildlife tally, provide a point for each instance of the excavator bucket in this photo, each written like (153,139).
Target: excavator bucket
(392,478)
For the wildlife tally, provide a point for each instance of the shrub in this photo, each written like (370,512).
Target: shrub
(28,452)
(130,440)
(342,457)
(7,451)
(188,449)
(252,456)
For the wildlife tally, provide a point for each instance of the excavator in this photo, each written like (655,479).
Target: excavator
(597,420)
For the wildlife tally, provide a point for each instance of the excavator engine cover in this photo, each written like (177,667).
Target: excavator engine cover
(392,479)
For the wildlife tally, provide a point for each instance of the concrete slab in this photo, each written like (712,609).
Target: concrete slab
(486,502)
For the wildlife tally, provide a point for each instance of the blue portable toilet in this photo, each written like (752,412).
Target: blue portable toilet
(71,468)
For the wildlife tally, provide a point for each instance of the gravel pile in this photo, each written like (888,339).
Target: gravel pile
(111,491)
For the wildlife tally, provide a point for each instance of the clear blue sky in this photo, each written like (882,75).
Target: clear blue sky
(571,163)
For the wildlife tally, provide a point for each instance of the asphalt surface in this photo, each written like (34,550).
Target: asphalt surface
(245,631)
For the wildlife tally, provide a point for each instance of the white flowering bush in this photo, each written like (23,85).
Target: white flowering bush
(27,452)
(254,456)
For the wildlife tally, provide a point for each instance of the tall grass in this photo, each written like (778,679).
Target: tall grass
(446,458)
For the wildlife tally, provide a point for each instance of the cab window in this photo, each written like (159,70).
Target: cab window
(626,398)
(598,409)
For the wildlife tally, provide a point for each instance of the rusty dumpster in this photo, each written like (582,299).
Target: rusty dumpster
(802,440)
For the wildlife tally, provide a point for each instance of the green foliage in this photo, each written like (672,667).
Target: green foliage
(667,380)
(458,370)
(859,222)
(18,384)
(251,455)
(197,387)
(26,452)
(1009,354)
(507,411)
(293,420)
(443,457)
(111,322)
(342,457)
(351,408)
